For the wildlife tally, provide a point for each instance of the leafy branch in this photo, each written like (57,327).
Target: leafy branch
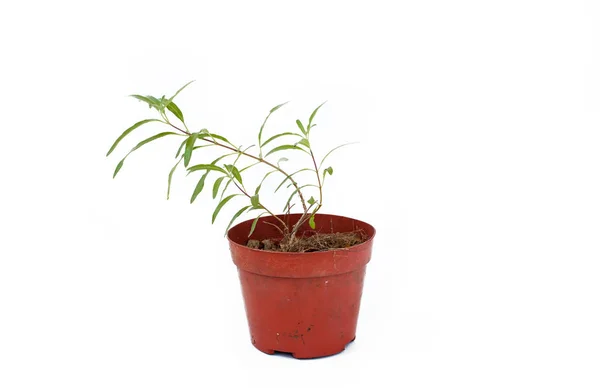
(230,172)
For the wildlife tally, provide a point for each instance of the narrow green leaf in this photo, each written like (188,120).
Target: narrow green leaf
(254,223)
(249,166)
(219,137)
(171,177)
(210,167)
(152,138)
(282,160)
(311,222)
(277,107)
(220,206)
(255,202)
(214,162)
(286,178)
(180,89)
(199,187)
(236,174)
(118,168)
(311,201)
(158,103)
(189,147)
(284,147)
(127,132)
(265,122)
(299,124)
(140,144)
(202,146)
(234,171)
(312,116)
(278,136)
(329,153)
(225,188)
(305,143)
(180,148)
(325,172)
(236,215)
(216,186)
(175,110)
(263,180)
(151,101)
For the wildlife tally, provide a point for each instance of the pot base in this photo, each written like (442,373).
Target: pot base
(303,356)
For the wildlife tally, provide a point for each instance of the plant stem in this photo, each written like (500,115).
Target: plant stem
(318,179)
(253,157)
(261,205)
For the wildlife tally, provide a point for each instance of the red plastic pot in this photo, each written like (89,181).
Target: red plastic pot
(305,304)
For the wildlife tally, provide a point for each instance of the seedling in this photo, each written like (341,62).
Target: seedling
(230,167)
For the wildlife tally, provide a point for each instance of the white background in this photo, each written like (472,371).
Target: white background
(478,164)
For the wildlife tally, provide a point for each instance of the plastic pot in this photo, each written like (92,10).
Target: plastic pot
(306,304)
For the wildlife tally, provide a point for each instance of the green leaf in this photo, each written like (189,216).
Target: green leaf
(236,215)
(305,143)
(288,177)
(255,202)
(262,181)
(180,89)
(225,188)
(311,201)
(220,205)
(210,167)
(278,136)
(202,146)
(143,142)
(158,103)
(249,166)
(152,138)
(236,174)
(216,186)
(254,223)
(127,132)
(277,107)
(180,148)
(171,177)
(284,147)
(329,153)
(299,124)
(265,122)
(175,110)
(221,157)
(189,147)
(328,170)
(151,101)
(282,160)
(219,137)
(118,168)
(234,171)
(312,116)
(311,221)
(199,187)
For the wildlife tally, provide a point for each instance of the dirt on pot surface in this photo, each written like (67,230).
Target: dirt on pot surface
(313,243)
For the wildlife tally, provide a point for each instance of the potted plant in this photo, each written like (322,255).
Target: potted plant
(301,273)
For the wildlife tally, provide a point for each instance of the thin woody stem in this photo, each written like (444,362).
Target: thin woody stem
(267,210)
(256,158)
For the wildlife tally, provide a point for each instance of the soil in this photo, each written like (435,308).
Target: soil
(313,243)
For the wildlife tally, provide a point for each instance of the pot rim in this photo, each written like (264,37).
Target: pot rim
(353,247)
